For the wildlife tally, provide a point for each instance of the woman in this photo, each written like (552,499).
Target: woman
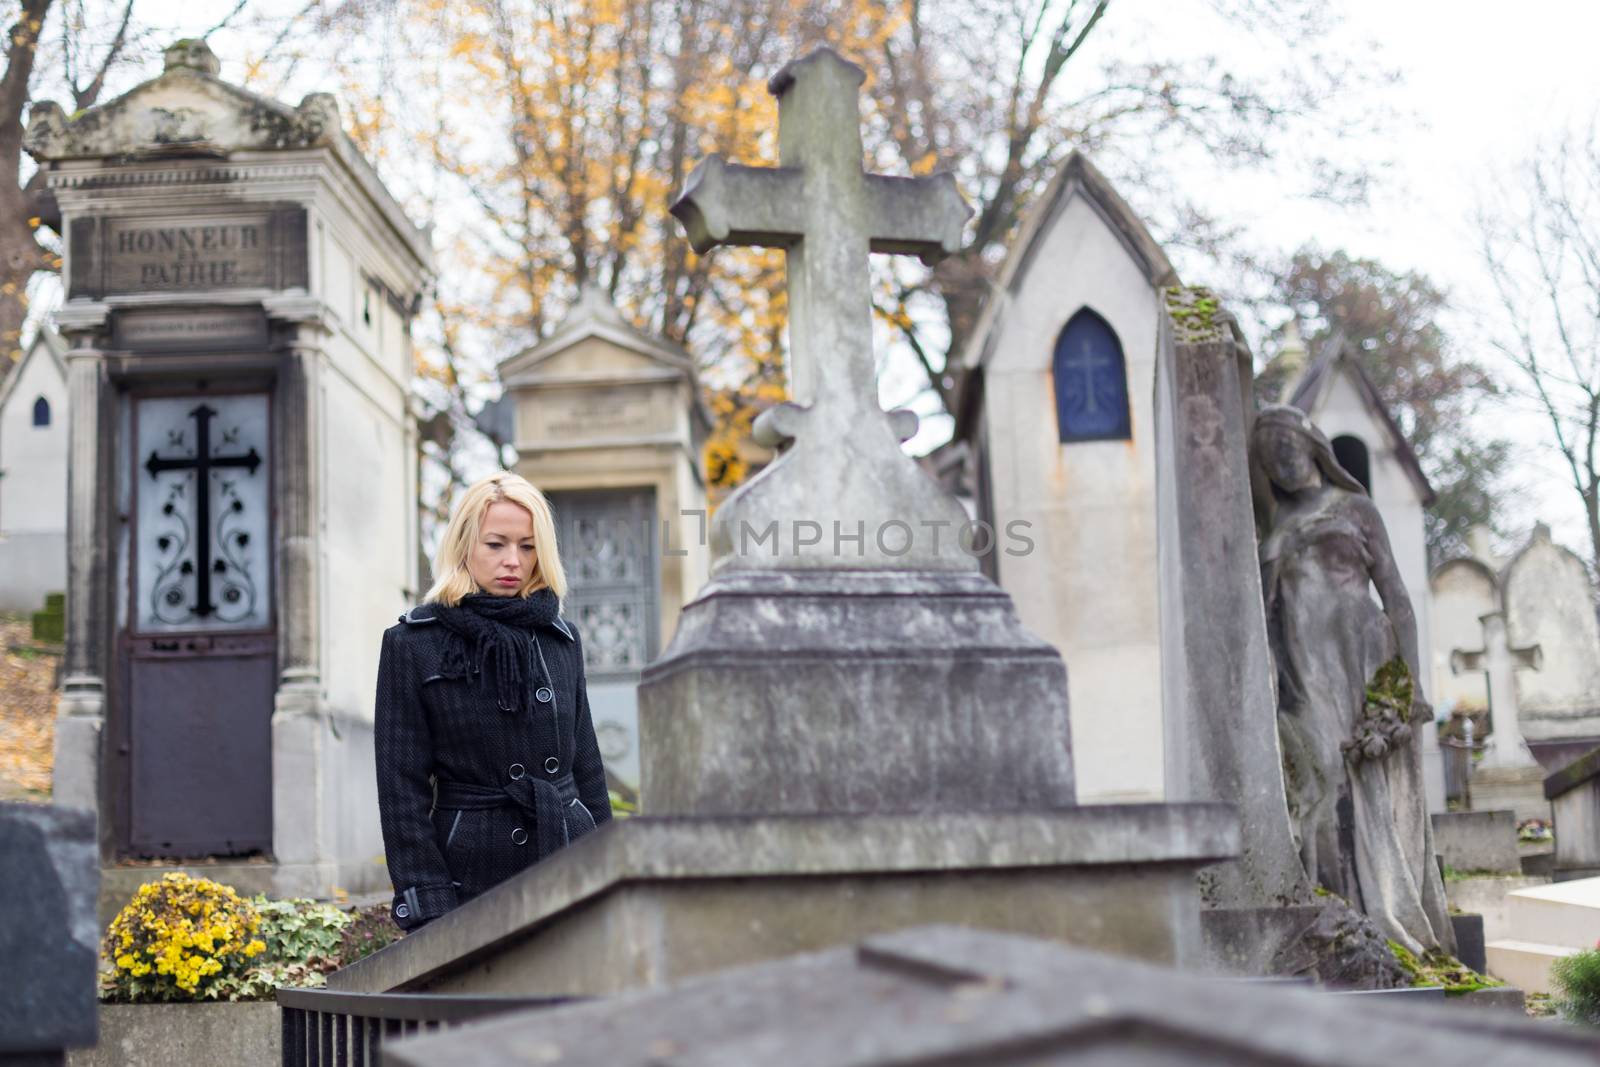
(1346,705)
(486,755)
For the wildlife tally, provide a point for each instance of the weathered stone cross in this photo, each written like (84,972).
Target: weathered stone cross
(844,465)
(1499,660)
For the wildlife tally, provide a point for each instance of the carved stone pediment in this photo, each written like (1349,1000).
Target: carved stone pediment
(187,111)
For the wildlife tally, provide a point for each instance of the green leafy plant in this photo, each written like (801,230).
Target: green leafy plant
(302,930)
(1577,986)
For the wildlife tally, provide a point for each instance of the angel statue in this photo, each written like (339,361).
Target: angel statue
(1349,701)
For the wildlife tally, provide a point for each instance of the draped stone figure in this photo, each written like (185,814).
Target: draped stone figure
(1348,695)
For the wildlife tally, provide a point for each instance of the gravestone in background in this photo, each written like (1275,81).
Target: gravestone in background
(49,940)
(843,737)
(1549,602)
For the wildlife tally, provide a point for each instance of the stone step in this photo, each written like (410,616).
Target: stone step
(1564,913)
(1525,964)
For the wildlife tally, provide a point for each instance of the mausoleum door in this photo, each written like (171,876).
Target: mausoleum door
(608,542)
(200,648)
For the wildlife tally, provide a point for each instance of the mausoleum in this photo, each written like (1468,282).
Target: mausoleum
(241,480)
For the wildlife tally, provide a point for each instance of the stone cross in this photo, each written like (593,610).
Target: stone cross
(203,462)
(843,465)
(1499,660)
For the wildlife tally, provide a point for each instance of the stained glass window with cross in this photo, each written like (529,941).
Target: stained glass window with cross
(1091,381)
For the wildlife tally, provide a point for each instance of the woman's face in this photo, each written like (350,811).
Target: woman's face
(502,560)
(1287,459)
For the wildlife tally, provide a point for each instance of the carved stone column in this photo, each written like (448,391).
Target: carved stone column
(299,726)
(80,720)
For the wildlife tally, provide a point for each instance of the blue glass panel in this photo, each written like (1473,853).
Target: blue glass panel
(1091,381)
(41,412)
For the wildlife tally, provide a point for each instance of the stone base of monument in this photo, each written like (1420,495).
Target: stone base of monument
(857,692)
(646,901)
(1328,941)
(1519,788)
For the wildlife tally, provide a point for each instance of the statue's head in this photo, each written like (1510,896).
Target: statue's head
(1294,454)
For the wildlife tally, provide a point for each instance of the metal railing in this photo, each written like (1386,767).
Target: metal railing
(324,1028)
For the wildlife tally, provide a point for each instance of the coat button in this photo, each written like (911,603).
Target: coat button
(519,836)
(516,770)
(552,765)
(544,694)
(401,911)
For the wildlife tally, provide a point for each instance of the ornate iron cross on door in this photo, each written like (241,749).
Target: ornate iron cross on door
(203,462)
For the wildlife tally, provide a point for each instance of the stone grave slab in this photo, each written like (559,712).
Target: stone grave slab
(950,996)
(645,901)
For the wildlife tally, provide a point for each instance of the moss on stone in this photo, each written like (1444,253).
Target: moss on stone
(1197,317)
(1441,970)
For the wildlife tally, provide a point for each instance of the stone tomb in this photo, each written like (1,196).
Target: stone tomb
(835,743)
(33,476)
(1058,419)
(608,422)
(241,486)
(948,996)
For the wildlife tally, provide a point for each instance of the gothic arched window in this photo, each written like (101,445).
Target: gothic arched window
(1351,452)
(1091,380)
(41,412)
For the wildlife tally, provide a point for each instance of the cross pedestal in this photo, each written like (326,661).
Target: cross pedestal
(1499,660)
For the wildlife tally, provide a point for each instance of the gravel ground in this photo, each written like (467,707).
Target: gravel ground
(27,713)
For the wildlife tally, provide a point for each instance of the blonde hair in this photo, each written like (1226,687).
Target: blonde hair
(452,580)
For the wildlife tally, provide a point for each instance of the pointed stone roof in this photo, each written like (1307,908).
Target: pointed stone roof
(594,315)
(1306,392)
(1078,177)
(49,342)
(189,112)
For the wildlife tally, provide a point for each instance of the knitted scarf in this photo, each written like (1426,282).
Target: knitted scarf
(483,626)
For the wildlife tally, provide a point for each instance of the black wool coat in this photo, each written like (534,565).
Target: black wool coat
(469,794)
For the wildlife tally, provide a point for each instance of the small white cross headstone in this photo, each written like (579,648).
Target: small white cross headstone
(1497,659)
(843,476)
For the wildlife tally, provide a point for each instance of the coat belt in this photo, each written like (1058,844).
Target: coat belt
(543,800)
